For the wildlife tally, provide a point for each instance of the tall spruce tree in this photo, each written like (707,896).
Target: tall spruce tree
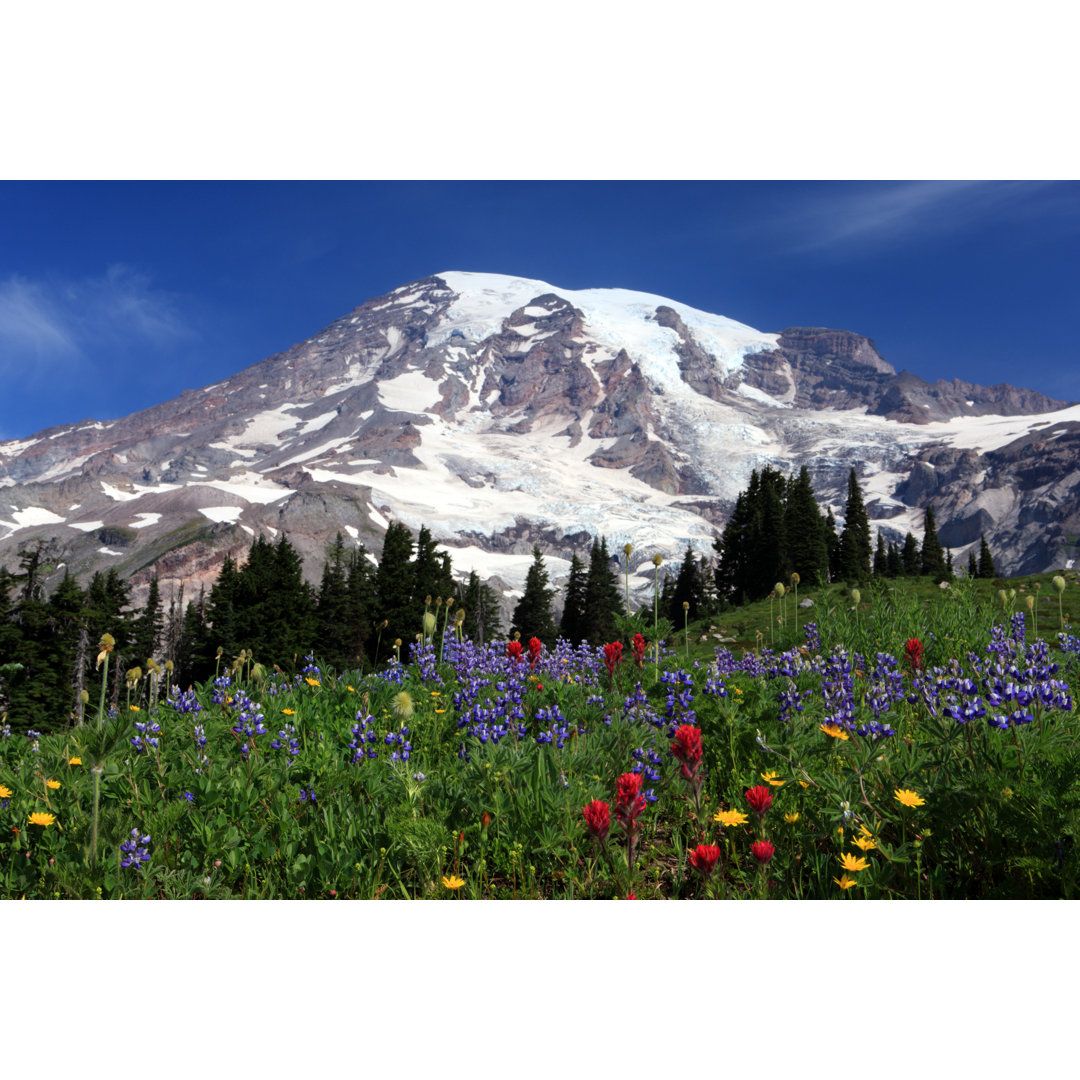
(483,621)
(332,607)
(972,567)
(804,529)
(832,544)
(394,582)
(572,625)
(689,589)
(147,627)
(881,558)
(855,549)
(603,603)
(532,615)
(894,564)
(932,556)
(909,557)
(986,560)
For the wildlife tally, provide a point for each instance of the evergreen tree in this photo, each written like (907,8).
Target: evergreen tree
(855,548)
(603,602)
(909,557)
(332,608)
(804,529)
(986,560)
(688,589)
(357,633)
(895,566)
(832,544)
(572,625)
(881,558)
(147,627)
(432,575)
(972,569)
(532,615)
(932,557)
(481,605)
(394,581)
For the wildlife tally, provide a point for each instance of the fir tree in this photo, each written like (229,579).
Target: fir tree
(147,627)
(986,560)
(532,615)
(909,557)
(481,606)
(332,607)
(572,626)
(972,568)
(855,548)
(932,557)
(603,602)
(688,589)
(804,529)
(356,636)
(394,581)
(832,544)
(881,558)
(895,566)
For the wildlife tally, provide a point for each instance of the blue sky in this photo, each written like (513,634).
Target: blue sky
(118,295)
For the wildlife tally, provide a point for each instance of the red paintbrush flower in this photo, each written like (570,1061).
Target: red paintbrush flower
(687,748)
(535,646)
(629,802)
(613,656)
(763,851)
(704,858)
(913,651)
(598,819)
(514,650)
(759,798)
(637,647)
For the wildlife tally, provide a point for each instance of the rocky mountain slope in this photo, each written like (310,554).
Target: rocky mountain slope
(503,412)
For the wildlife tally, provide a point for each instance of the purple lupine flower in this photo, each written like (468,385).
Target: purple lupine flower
(136,849)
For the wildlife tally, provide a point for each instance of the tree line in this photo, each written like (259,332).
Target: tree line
(366,609)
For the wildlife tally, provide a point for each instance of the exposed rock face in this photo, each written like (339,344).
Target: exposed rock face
(503,412)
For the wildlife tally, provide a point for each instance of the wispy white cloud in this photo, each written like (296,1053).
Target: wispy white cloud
(49,325)
(864,217)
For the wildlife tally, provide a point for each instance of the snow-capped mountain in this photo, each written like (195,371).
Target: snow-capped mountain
(503,412)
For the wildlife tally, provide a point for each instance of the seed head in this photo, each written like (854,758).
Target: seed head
(1058,583)
(780,590)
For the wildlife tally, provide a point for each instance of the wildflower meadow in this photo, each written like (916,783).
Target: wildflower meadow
(888,744)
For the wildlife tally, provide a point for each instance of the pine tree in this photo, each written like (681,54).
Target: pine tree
(572,625)
(332,608)
(688,589)
(804,529)
(394,581)
(895,566)
(432,576)
(881,558)
(603,602)
(909,557)
(986,560)
(855,548)
(481,606)
(532,615)
(832,544)
(972,569)
(932,558)
(357,633)
(147,627)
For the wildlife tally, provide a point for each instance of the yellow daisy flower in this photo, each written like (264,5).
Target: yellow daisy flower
(5,792)
(850,862)
(771,778)
(312,682)
(730,817)
(835,730)
(75,761)
(351,689)
(804,784)
(906,797)
(289,712)
(845,882)
(453,882)
(39,818)
(791,818)
(54,784)
(134,708)
(864,842)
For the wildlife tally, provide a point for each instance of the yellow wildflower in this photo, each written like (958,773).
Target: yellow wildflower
(54,784)
(906,797)
(5,792)
(771,778)
(453,882)
(134,708)
(864,842)
(39,818)
(312,682)
(75,761)
(289,712)
(845,882)
(791,818)
(834,730)
(351,689)
(730,817)
(850,862)
(804,784)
